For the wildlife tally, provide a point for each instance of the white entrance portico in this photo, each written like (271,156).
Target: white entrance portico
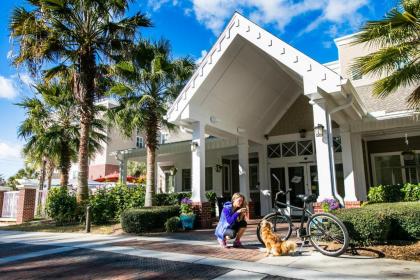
(247,82)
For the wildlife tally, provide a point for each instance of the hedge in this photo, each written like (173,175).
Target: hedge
(146,219)
(380,223)
(394,193)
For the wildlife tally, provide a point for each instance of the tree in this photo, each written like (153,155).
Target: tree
(147,84)
(135,168)
(52,127)
(75,36)
(396,39)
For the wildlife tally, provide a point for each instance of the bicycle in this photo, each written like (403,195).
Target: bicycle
(326,232)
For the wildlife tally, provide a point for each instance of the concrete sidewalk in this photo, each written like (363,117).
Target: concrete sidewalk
(311,265)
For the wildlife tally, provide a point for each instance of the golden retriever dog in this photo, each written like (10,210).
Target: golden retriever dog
(273,243)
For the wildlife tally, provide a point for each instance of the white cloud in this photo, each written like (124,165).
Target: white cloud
(10,151)
(157,4)
(202,56)
(26,79)
(8,88)
(278,13)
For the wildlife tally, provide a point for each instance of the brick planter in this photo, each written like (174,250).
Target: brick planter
(26,205)
(251,210)
(203,212)
(352,204)
(1,201)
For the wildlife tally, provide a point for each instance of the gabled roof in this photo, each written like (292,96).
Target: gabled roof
(314,74)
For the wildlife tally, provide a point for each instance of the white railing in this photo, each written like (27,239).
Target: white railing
(10,204)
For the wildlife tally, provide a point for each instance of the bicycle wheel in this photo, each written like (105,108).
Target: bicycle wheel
(282,226)
(328,234)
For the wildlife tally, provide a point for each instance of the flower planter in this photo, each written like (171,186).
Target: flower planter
(187,221)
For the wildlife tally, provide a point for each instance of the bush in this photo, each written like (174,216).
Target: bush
(62,206)
(172,224)
(108,204)
(411,192)
(146,219)
(103,207)
(165,199)
(385,193)
(379,223)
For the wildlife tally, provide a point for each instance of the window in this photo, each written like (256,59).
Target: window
(209,178)
(337,144)
(288,149)
(273,151)
(162,138)
(186,180)
(387,169)
(139,142)
(253,177)
(305,148)
(356,75)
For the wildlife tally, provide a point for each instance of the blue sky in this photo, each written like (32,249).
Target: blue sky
(192,26)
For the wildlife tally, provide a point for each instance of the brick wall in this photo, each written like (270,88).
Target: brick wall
(202,210)
(1,201)
(26,205)
(251,210)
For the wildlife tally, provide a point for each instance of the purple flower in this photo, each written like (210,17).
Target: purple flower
(332,203)
(186,200)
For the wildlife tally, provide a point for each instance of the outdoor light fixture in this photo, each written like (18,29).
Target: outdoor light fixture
(408,154)
(319,130)
(194,146)
(173,171)
(219,167)
(302,133)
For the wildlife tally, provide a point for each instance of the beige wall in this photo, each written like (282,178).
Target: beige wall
(347,53)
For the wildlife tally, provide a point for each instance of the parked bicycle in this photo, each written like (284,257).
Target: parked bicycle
(325,232)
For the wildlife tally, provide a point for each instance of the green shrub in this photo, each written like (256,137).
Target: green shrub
(211,197)
(411,192)
(146,219)
(385,193)
(165,199)
(379,223)
(108,204)
(173,224)
(103,207)
(62,206)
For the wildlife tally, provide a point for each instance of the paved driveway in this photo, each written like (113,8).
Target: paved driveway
(84,256)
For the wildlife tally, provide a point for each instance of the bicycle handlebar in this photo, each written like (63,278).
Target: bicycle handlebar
(282,193)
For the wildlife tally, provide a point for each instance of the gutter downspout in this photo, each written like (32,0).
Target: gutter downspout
(331,147)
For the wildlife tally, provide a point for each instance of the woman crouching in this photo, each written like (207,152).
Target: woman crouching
(232,222)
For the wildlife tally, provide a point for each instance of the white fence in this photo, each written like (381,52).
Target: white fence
(10,204)
(40,202)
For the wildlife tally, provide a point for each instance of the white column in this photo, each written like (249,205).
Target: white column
(243,158)
(358,166)
(348,167)
(265,201)
(123,170)
(325,163)
(198,163)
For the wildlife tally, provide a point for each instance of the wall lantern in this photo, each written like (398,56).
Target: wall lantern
(173,171)
(408,154)
(302,133)
(219,167)
(194,146)
(319,130)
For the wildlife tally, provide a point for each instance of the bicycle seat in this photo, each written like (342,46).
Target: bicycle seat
(307,198)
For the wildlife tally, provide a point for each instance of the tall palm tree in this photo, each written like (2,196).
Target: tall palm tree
(397,58)
(75,36)
(146,86)
(52,129)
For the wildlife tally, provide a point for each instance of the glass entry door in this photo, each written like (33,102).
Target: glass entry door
(277,183)
(297,183)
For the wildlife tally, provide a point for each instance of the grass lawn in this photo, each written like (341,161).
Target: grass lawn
(50,226)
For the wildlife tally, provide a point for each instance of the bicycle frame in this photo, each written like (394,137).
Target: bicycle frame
(304,209)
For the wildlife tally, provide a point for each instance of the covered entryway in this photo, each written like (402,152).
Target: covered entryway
(243,87)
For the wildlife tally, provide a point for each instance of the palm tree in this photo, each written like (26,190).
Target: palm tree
(147,84)
(52,129)
(396,39)
(75,36)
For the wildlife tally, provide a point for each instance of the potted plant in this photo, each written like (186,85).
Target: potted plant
(187,216)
